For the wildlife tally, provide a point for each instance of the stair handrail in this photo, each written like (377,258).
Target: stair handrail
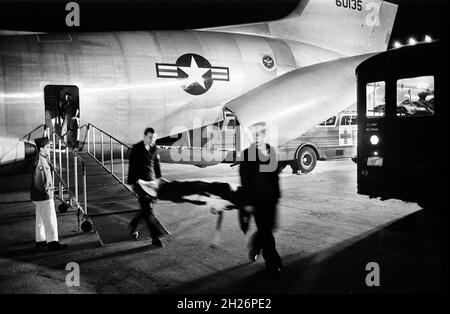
(81,144)
(28,135)
(58,144)
(91,149)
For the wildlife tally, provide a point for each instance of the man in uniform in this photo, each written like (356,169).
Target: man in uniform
(42,196)
(261,192)
(144,165)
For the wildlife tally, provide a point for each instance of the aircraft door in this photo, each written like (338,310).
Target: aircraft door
(62,112)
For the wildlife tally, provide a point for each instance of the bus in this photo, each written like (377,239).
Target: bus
(402,108)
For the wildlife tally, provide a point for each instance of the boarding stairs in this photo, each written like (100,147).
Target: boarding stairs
(92,181)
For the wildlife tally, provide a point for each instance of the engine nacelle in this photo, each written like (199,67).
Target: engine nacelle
(297,101)
(14,150)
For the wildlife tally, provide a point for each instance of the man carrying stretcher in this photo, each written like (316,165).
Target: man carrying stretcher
(258,196)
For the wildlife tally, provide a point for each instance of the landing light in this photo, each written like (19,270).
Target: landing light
(412,41)
(374,139)
(397,44)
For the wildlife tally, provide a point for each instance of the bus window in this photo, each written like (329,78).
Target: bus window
(375,99)
(330,122)
(415,96)
(348,120)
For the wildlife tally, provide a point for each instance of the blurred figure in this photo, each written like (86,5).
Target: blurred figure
(144,165)
(42,196)
(424,102)
(261,192)
(51,113)
(70,112)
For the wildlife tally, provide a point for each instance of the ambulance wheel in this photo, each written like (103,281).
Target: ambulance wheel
(86,226)
(306,160)
(63,207)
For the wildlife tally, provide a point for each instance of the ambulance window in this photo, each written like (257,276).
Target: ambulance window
(415,96)
(375,99)
(348,120)
(230,123)
(330,122)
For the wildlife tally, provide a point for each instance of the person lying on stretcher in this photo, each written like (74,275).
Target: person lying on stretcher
(218,196)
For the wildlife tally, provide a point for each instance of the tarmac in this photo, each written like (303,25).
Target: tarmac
(327,234)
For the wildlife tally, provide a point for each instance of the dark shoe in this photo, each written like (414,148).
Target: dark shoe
(56,246)
(41,244)
(157,243)
(253,256)
(134,235)
(273,268)
(134,232)
(276,270)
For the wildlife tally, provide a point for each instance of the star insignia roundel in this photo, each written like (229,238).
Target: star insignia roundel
(195,73)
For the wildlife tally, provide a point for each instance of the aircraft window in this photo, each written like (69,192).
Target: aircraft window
(348,120)
(415,96)
(330,122)
(375,99)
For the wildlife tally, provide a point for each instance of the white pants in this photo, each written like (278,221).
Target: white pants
(46,223)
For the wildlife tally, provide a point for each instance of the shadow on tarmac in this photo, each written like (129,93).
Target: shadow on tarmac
(412,254)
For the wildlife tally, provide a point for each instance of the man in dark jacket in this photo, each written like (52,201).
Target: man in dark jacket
(41,194)
(261,192)
(144,165)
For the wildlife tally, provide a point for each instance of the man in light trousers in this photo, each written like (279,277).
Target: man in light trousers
(41,194)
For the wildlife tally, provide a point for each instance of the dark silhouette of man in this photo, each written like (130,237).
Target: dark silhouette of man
(261,192)
(144,165)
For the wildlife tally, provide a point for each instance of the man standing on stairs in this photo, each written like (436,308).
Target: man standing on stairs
(144,165)
(42,196)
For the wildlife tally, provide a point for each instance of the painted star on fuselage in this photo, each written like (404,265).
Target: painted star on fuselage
(195,74)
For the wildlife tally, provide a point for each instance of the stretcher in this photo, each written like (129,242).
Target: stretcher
(218,196)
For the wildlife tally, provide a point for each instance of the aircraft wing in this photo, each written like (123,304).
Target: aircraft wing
(187,118)
(297,101)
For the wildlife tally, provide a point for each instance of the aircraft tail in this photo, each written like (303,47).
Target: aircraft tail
(348,27)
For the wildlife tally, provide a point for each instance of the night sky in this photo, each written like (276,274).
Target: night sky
(415,17)
(419,18)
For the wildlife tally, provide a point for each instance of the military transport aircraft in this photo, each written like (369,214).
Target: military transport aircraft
(291,73)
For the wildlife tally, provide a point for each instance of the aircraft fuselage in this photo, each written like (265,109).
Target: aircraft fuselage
(130,80)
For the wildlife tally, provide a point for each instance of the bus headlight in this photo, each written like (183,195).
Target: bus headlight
(374,139)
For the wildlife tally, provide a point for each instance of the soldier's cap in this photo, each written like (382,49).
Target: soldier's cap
(41,142)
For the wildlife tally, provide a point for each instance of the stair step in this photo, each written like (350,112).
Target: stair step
(111,205)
